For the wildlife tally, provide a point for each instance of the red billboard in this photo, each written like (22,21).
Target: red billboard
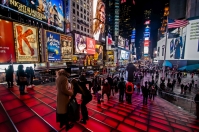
(90,46)
(146,43)
(7,50)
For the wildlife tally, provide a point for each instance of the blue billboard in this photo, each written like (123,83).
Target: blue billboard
(53,46)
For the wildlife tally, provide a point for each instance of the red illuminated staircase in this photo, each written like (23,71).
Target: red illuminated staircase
(39,108)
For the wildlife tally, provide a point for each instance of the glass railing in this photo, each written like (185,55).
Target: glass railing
(185,103)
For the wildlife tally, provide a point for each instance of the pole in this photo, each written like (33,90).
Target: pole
(165,48)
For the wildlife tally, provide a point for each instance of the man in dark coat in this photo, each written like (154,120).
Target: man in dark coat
(130,68)
(145,93)
(9,76)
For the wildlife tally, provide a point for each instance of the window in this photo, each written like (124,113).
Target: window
(77,13)
(84,11)
(81,15)
(77,6)
(84,29)
(73,11)
(87,30)
(81,9)
(84,17)
(77,26)
(74,25)
(81,28)
(73,4)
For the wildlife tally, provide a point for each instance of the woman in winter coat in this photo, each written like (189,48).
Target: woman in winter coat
(63,95)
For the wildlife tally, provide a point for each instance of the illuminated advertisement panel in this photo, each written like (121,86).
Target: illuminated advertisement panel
(6,42)
(99,20)
(90,46)
(146,50)
(26,41)
(49,11)
(80,44)
(53,46)
(146,43)
(121,42)
(67,16)
(66,47)
(123,55)
(99,52)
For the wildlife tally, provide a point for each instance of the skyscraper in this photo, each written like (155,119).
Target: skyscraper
(127,18)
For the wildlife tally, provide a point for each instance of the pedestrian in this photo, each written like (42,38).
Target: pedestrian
(121,86)
(110,81)
(86,98)
(32,75)
(63,95)
(182,88)
(138,88)
(196,99)
(129,91)
(21,79)
(9,76)
(106,90)
(145,92)
(153,92)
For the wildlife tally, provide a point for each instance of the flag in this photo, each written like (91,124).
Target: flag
(177,23)
(110,41)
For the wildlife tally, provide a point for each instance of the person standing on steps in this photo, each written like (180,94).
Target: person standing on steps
(129,91)
(121,86)
(9,76)
(196,99)
(21,74)
(63,95)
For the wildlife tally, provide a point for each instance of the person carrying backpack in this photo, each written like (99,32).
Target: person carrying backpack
(121,87)
(129,91)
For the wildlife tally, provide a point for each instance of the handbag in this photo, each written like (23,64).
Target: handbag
(22,79)
(73,110)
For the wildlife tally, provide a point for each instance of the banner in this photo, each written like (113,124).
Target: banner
(26,41)
(49,11)
(53,46)
(90,46)
(99,20)
(121,42)
(6,42)
(80,44)
(66,47)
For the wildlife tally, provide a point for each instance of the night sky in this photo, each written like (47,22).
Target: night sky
(157,7)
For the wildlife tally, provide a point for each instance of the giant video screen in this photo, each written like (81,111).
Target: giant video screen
(121,42)
(80,44)
(99,20)
(49,11)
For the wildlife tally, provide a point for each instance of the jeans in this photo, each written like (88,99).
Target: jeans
(10,83)
(21,88)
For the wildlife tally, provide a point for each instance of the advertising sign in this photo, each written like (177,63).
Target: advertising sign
(127,44)
(98,52)
(53,46)
(6,42)
(67,16)
(146,50)
(192,40)
(66,47)
(26,41)
(99,20)
(123,55)
(80,44)
(121,42)
(90,46)
(49,11)
(146,43)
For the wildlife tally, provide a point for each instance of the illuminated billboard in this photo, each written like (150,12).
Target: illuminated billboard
(49,11)
(121,42)
(99,20)
(66,47)
(80,44)
(146,50)
(6,42)
(26,41)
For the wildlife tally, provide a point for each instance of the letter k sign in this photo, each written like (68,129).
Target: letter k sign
(23,36)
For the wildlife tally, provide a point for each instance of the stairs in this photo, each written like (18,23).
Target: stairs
(36,112)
